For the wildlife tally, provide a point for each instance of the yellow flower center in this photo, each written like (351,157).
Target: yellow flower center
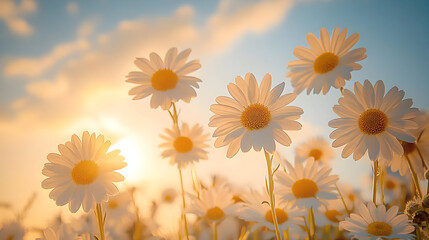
(237,199)
(215,213)
(408,147)
(373,121)
(255,116)
(315,153)
(390,185)
(112,204)
(379,229)
(164,79)
(281,216)
(183,144)
(85,172)
(325,63)
(168,198)
(331,215)
(304,188)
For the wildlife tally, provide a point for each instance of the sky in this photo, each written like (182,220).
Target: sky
(63,66)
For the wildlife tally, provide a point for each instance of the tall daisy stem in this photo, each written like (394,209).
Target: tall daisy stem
(214,231)
(270,190)
(311,223)
(175,117)
(342,200)
(381,179)
(421,157)
(374,182)
(100,220)
(185,222)
(415,179)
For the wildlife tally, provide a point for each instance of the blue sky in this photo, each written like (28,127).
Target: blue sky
(40,110)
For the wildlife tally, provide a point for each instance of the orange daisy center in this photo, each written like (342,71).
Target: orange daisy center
(315,153)
(379,229)
(85,172)
(331,215)
(215,213)
(183,144)
(112,204)
(255,116)
(372,122)
(304,188)
(164,79)
(325,63)
(390,185)
(281,216)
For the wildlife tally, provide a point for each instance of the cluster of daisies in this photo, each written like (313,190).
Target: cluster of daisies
(301,199)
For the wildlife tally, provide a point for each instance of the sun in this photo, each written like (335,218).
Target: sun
(134,155)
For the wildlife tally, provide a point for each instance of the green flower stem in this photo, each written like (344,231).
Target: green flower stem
(100,220)
(415,179)
(270,190)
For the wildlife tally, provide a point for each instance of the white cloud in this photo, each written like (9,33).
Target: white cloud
(35,67)
(232,22)
(72,8)
(13,15)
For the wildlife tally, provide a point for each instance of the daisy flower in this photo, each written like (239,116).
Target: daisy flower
(394,187)
(317,148)
(168,195)
(331,214)
(255,117)
(185,145)
(399,163)
(306,186)
(213,205)
(12,230)
(288,216)
(167,80)
(83,172)
(118,208)
(328,62)
(370,120)
(373,223)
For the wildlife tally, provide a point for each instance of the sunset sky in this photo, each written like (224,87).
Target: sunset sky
(63,66)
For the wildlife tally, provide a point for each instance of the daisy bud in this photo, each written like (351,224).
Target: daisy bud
(427,174)
(425,202)
(412,207)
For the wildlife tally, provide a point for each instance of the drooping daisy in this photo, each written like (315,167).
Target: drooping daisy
(317,148)
(288,216)
(328,62)
(186,145)
(331,214)
(83,172)
(213,205)
(255,117)
(118,208)
(167,80)
(373,223)
(306,186)
(370,120)
(411,150)
(12,230)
